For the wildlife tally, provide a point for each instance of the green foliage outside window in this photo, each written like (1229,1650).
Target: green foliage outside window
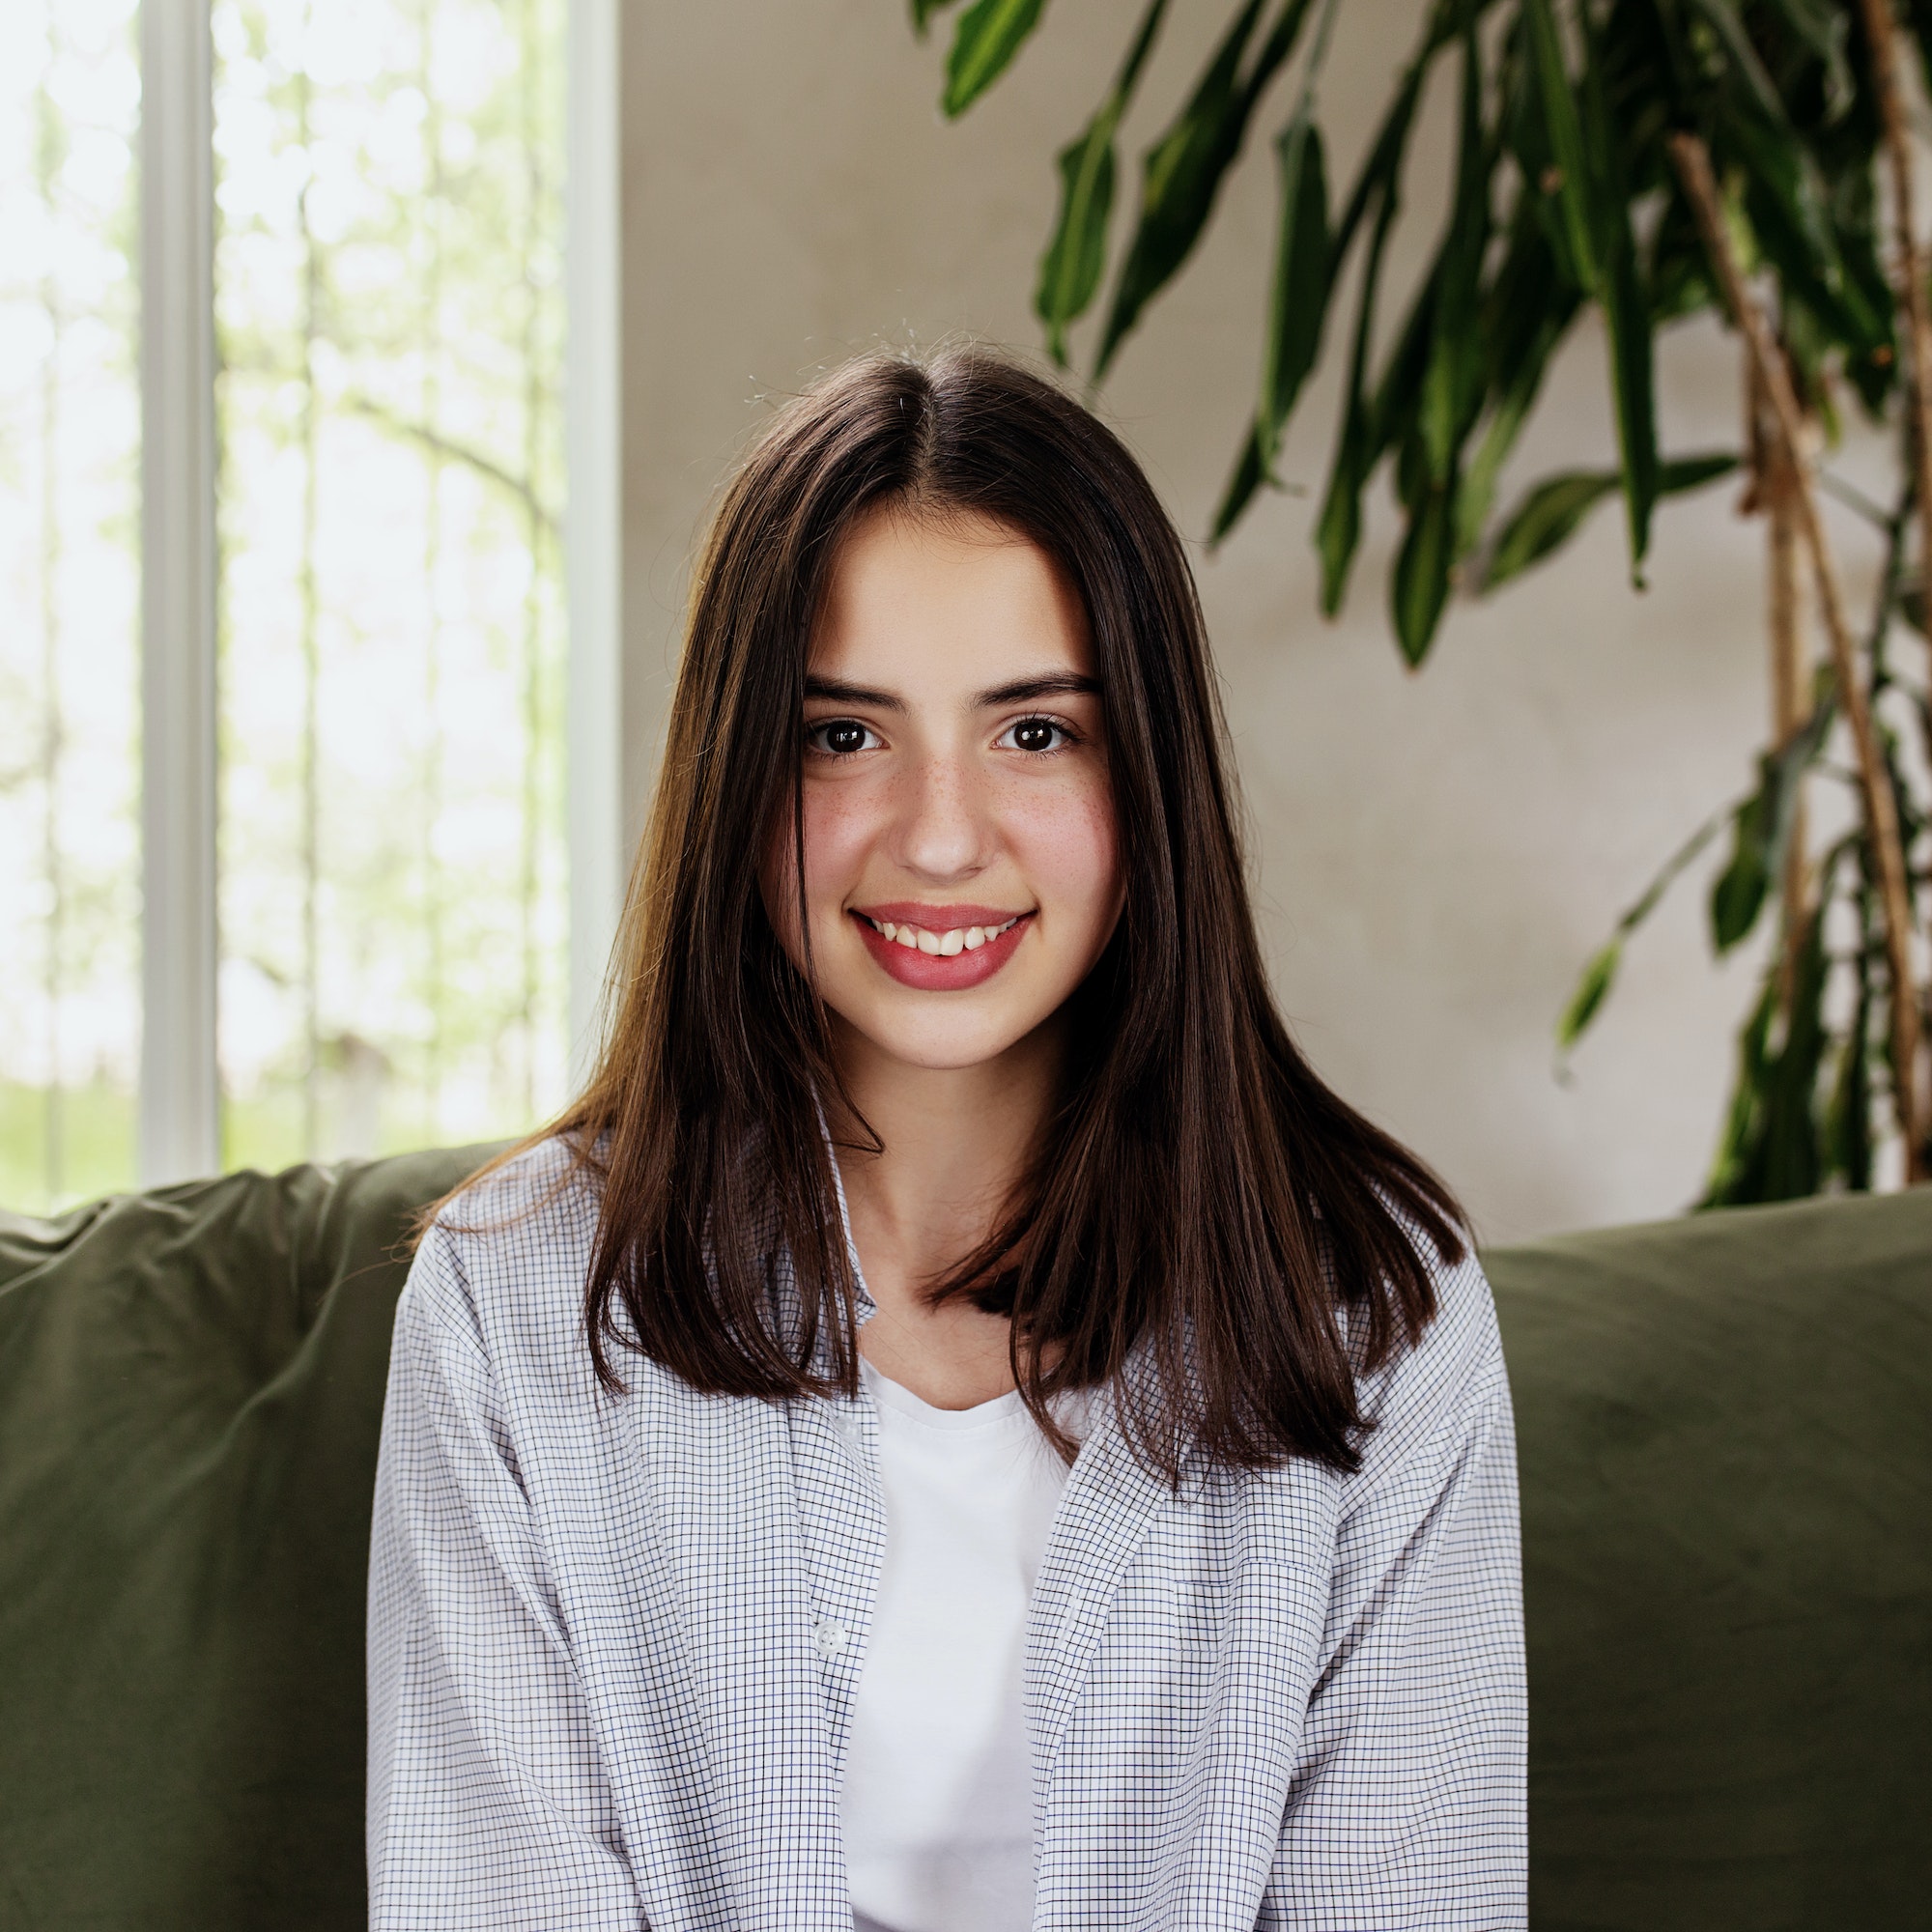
(389,321)
(388,276)
(69,583)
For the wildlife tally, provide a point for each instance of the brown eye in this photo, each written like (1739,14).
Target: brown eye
(1036,734)
(837,737)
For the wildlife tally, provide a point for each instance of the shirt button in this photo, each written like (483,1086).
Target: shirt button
(828,1639)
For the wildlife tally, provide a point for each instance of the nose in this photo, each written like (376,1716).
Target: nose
(945,829)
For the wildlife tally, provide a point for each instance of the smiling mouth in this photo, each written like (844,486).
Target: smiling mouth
(938,943)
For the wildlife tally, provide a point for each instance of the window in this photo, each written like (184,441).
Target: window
(405,933)
(388,277)
(70,572)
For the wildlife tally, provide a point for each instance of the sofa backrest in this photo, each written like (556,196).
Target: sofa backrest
(190,1389)
(1726,1432)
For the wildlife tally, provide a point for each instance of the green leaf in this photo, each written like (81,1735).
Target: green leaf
(1547,518)
(1599,974)
(1730,1170)
(1848,1118)
(1680,267)
(1451,383)
(1358,443)
(1822,29)
(1372,422)
(1739,894)
(1787,198)
(1792,1159)
(1182,175)
(1419,585)
(1564,130)
(1652,895)
(1626,312)
(922,12)
(1527,310)
(1873,369)
(1384,165)
(1395,418)
(1299,298)
(1250,470)
(1525,296)
(1553,511)
(1592,989)
(1069,271)
(1339,528)
(1684,474)
(989,34)
(1743,56)
(1761,831)
(1476,495)
(1787,205)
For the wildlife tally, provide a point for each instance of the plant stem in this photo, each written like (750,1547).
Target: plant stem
(1881,35)
(1790,688)
(1693,163)
(1882,40)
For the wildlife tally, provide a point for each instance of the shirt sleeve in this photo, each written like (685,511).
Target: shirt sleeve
(1408,1807)
(488,1800)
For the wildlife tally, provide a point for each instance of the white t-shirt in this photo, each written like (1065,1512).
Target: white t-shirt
(938,1797)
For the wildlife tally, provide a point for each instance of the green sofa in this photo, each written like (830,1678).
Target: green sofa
(1726,1432)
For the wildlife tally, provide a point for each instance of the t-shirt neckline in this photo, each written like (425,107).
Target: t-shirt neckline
(901,1400)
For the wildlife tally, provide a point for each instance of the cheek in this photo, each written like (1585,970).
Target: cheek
(1068,843)
(840,823)
(832,839)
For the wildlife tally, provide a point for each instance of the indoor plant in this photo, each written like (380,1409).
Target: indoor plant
(1654,158)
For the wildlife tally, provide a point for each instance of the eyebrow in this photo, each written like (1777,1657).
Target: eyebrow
(1052,684)
(840,692)
(1021,690)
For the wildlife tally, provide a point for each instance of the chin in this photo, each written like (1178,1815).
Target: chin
(939,1048)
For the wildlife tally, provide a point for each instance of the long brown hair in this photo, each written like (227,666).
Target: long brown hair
(1202,1209)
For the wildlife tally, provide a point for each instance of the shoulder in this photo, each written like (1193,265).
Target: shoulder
(503,1265)
(1429,1399)
(544,1185)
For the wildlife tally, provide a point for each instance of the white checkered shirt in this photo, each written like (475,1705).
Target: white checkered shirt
(614,1641)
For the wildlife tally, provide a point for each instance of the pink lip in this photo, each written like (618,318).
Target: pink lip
(937,917)
(936,973)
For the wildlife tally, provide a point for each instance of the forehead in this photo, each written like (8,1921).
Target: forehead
(959,599)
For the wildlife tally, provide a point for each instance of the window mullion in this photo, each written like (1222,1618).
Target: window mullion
(592,414)
(179,1106)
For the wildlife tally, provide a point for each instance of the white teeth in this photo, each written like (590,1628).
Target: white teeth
(941,944)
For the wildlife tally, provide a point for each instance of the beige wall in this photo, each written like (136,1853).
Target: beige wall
(1434,855)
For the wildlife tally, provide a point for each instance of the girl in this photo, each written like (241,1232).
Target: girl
(957,1428)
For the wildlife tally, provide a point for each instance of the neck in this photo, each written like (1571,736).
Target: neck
(956,1142)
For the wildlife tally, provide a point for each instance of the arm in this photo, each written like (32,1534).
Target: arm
(488,1800)
(1407,1812)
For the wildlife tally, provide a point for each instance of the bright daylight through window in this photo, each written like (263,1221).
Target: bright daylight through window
(389,325)
(69,572)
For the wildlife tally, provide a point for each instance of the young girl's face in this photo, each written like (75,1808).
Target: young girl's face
(961,868)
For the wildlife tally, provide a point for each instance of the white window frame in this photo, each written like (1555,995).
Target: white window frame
(179,1096)
(181,1091)
(593,512)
